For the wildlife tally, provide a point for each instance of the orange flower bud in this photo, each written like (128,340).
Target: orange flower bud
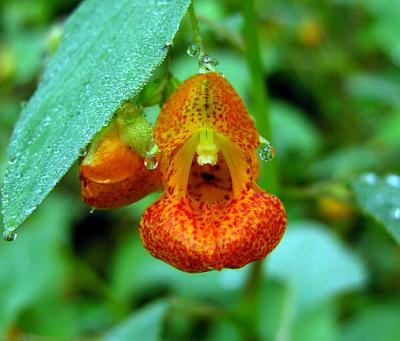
(113,175)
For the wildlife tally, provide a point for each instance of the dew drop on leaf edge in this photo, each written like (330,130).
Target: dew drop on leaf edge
(9,236)
(82,152)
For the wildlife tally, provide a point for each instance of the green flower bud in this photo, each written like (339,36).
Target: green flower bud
(134,128)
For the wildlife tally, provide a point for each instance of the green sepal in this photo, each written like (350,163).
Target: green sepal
(135,130)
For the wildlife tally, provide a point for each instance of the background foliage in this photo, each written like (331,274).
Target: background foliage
(332,71)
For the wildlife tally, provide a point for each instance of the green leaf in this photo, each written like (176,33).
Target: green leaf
(281,319)
(346,162)
(375,322)
(315,264)
(108,52)
(144,325)
(34,265)
(316,324)
(380,198)
(374,87)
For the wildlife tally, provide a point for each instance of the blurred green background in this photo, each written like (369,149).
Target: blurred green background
(332,69)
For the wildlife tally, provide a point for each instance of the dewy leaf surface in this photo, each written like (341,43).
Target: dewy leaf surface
(108,52)
(380,198)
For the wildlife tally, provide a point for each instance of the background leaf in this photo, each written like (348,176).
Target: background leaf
(380,198)
(376,321)
(108,52)
(36,254)
(144,325)
(313,262)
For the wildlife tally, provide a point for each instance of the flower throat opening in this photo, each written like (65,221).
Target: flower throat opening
(210,183)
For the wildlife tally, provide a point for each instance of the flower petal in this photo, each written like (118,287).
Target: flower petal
(205,100)
(196,236)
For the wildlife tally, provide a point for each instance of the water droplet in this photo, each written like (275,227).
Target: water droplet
(82,152)
(46,121)
(9,236)
(393,180)
(150,162)
(205,59)
(167,46)
(208,60)
(207,63)
(265,151)
(396,213)
(92,209)
(193,50)
(370,178)
(12,161)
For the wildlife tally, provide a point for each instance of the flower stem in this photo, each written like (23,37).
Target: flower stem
(268,176)
(195,28)
(250,304)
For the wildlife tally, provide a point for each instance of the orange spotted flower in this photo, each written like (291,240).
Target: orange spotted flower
(212,214)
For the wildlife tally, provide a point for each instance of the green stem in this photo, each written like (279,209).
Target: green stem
(250,305)
(195,28)
(268,176)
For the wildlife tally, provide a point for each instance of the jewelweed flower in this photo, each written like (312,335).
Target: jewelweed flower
(113,174)
(211,214)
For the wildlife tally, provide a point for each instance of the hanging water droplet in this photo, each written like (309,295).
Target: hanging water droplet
(193,50)
(9,236)
(265,151)
(92,209)
(167,46)
(150,162)
(207,63)
(82,152)
(206,59)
